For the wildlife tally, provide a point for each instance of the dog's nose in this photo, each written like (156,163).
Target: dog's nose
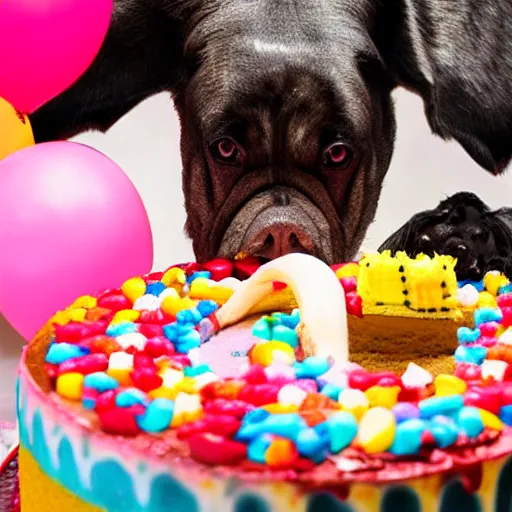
(278,240)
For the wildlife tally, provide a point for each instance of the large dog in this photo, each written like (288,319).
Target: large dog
(285,105)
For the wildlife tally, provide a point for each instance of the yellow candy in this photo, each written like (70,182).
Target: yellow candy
(163,392)
(266,353)
(493,281)
(490,420)
(486,300)
(173,276)
(348,270)
(122,375)
(134,288)
(77,315)
(187,385)
(61,318)
(70,386)
(86,301)
(125,315)
(377,430)
(447,385)
(280,408)
(383,396)
(201,289)
(172,305)
(354,401)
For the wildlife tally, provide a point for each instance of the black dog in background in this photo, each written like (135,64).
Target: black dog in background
(462,226)
(287,120)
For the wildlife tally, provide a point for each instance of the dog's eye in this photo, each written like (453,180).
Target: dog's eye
(336,155)
(226,151)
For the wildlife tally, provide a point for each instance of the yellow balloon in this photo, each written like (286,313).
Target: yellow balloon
(15,130)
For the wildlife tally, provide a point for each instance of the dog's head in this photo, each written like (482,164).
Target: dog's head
(285,139)
(461,226)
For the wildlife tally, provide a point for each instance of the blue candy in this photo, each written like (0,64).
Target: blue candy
(190,338)
(284,425)
(262,329)
(331,390)
(121,328)
(100,382)
(130,397)
(255,416)
(312,367)
(292,320)
(184,328)
(155,288)
(405,411)
(475,355)
(189,316)
(194,371)
(484,315)
(202,273)
(207,307)
(467,335)
(445,433)
(506,415)
(437,405)
(88,403)
(258,447)
(342,429)
(286,335)
(60,352)
(408,437)
(469,419)
(505,289)
(311,444)
(171,331)
(157,417)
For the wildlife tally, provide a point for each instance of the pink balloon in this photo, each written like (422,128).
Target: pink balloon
(71,223)
(46,45)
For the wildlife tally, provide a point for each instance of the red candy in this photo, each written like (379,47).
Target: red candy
(155,317)
(259,394)
(178,361)
(219,269)
(505,300)
(114,301)
(153,277)
(229,389)
(121,420)
(468,372)
(507,316)
(488,329)
(221,425)
(349,284)
(246,267)
(278,286)
(214,450)
(159,346)
(106,401)
(363,380)
(151,330)
(72,332)
(146,379)
(354,304)
(52,370)
(255,375)
(142,360)
(222,406)
(487,398)
(85,365)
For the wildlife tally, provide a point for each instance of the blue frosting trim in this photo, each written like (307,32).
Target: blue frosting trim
(322,502)
(456,499)
(251,503)
(400,498)
(504,491)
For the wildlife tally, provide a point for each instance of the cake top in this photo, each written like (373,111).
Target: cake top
(132,358)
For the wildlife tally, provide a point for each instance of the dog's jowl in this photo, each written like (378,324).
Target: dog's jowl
(285,108)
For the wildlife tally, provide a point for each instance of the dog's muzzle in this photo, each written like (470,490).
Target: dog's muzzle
(276,222)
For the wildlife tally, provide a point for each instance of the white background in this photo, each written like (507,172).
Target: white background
(145,144)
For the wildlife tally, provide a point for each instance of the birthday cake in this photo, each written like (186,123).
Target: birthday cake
(228,387)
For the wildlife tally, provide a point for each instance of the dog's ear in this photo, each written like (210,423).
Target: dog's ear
(140,56)
(459,59)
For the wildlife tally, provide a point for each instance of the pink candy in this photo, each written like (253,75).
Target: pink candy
(106,401)
(85,365)
(146,379)
(219,269)
(488,329)
(487,398)
(151,330)
(214,450)
(121,421)
(73,332)
(159,346)
(255,375)
(222,406)
(468,372)
(155,317)
(222,425)
(115,301)
(259,394)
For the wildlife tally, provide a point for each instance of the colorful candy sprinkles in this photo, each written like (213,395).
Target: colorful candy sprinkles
(131,357)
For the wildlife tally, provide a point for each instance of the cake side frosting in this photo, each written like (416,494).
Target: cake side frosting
(302,454)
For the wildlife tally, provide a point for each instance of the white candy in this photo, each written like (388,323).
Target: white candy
(337,375)
(291,395)
(120,361)
(495,369)
(171,377)
(230,282)
(416,377)
(132,339)
(468,295)
(506,337)
(280,370)
(147,303)
(280,357)
(351,399)
(169,292)
(205,378)
(195,356)
(186,403)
